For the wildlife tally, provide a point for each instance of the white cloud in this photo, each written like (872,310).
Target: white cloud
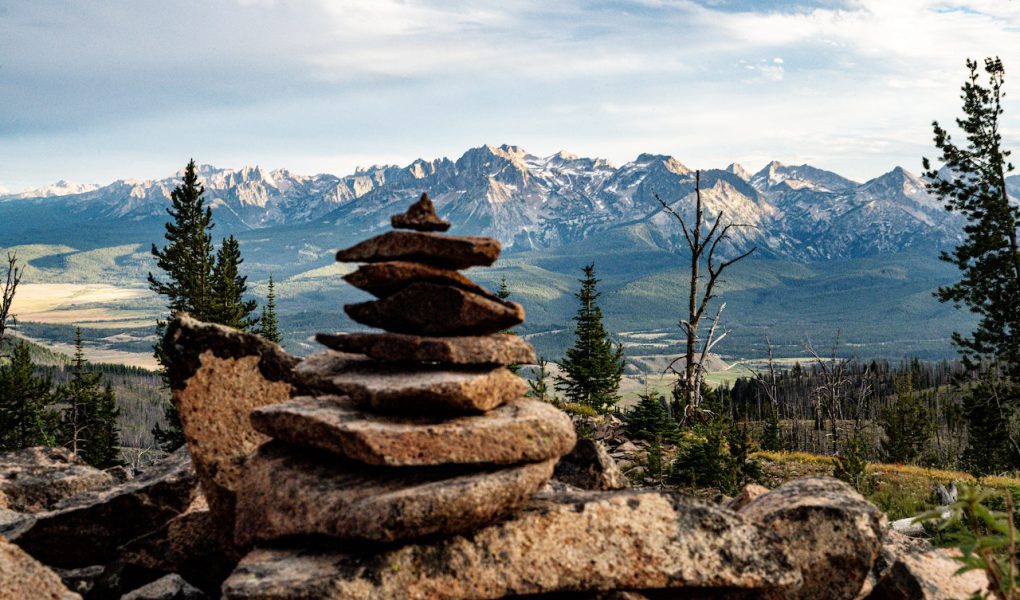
(94,91)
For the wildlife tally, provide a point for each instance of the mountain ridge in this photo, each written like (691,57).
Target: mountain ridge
(530,202)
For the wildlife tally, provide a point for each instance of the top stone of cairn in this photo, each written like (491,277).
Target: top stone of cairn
(421,216)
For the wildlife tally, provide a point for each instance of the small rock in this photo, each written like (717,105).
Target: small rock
(37,479)
(498,349)
(578,543)
(22,576)
(521,431)
(589,467)
(422,390)
(834,535)
(88,529)
(291,491)
(421,216)
(911,569)
(169,587)
(81,580)
(429,309)
(218,375)
(387,278)
(747,493)
(446,251)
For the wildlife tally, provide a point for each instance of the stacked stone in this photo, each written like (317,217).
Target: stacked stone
(416,431)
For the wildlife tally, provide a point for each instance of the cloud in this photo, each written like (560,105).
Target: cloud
(96,90)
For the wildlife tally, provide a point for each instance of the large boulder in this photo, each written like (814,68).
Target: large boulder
(911,569)
(520,431)
(588,466)
(218,375)
(290,491)
(21,576)
(37,479)
(833,534)
(89,528)
(574,543)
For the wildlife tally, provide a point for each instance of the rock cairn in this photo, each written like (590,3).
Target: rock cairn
(416,431)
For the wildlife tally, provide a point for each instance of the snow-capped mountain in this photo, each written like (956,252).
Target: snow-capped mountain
(60,188)
(532,202)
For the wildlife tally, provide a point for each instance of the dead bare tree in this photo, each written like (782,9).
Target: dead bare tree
(702,240)
(14,275)
(834,378)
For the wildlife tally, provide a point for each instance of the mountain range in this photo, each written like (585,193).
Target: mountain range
(832,253)
(529,202)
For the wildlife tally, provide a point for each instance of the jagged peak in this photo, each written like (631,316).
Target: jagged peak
(738,170)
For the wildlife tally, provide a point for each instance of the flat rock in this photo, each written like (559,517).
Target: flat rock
(37,479)
(911,569)
(218,375)
(168,587)
(429,309)
(387,278)
(89,528)
(447,251)
(496,349)
(290,491)
(589,467)
(420,216)
(423,390)
(517,432)
(22,576)
(834,535)
(575,543)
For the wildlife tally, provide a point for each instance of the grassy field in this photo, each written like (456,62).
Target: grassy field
(900,490)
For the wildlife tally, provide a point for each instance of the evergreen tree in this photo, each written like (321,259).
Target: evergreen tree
(974,184)
(648,420)
(907,423)
(540,384)
(593,367)
(228,305)
(269,327)
(504,290)
(851,466)
(987,408)
(187,262)
(88,427)
(25,417)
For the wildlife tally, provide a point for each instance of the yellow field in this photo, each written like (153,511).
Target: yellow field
(79,304)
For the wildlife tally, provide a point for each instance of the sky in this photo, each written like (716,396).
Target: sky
(94,91)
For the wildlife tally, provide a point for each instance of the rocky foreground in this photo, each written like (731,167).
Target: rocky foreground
(408,464)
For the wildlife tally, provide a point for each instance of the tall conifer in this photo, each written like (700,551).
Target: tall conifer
(593,367)
(89,423)
(973,183)
(228,304)
(269,327)
(187,263)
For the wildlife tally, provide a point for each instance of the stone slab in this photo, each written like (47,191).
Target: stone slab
(420,216)
(447,251)
(289,491)
(437,310)
(387,278)
(518,432)
(386,388)
(496,349)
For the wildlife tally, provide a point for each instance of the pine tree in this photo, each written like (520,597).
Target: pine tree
(504,294)
(88,427)
(540,384)
(989,256)
(187,261)
(593,367)
(987,407)
(648,420)
(228,305)
(25,417)
(908,424)
(269,327)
